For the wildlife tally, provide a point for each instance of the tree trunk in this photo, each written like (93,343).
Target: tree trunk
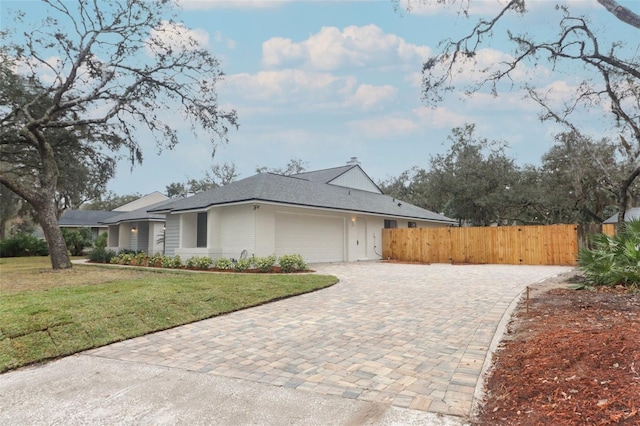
(53,234)
(623,197)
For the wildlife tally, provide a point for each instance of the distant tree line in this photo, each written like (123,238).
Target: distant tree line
(478,184)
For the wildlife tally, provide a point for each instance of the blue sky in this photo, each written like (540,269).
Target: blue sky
(323,81)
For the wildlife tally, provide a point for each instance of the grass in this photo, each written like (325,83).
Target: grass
(46,314)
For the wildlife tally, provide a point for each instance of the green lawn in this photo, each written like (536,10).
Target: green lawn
(46,314)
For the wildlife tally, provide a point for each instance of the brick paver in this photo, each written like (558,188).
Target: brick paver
(413,336)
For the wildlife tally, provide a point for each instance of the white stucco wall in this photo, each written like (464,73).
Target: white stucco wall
(253,227)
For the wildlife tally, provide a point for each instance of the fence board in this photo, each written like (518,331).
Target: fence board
(530,245)
(609,229)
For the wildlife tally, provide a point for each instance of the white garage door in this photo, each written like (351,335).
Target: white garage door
(315,238)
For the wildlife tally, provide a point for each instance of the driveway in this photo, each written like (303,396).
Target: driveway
(388,344)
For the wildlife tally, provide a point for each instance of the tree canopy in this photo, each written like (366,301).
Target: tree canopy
(110,73)
(478,184)
(611,71)
(217,175)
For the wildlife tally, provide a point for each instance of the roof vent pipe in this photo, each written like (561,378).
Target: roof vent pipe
(353,161)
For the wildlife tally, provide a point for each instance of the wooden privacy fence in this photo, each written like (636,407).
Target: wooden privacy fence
(515,245)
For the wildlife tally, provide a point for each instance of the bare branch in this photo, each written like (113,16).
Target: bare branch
(621,12)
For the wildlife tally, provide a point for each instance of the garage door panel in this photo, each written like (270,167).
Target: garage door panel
(315,238)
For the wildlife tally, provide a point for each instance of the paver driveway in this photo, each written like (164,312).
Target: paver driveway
(413,336)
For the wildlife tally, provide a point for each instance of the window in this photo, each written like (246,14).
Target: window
(411,225)
(202,230)
(390,223)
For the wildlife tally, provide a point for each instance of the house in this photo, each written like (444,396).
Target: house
(630,214)
(329,215)
(129,226)
(92,219)
(134,227)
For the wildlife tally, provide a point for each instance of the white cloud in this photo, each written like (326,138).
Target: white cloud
(230,4)
(175,36)
(383,127)
(306,90)
(505,102)
(368,97)
(279,51)
(289,86)
(331,49)
(440,118)
(218,37)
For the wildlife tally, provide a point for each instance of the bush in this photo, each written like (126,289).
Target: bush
(167,262)
(223,263)
(23,245)
(101,241)
(124,258)
(199,262)
(101,255)
(613,260)
(140,259)
(292,263)
(176,262)
(242,265)
(156,260)
(265,264)
(77,240)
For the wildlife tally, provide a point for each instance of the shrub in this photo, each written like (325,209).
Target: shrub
(140,259)
(101,241)
(101,255)
(613,260)
(292,263)
(223,263)
(167,262)
(123,259)
(242,265)
(156,260)
(77,240)
(176,262)
(23,245)
(199,262)
(265,264)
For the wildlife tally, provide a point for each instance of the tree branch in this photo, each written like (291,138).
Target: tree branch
(621,12)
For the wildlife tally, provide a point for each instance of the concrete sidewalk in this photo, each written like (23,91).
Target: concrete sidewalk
(389,344)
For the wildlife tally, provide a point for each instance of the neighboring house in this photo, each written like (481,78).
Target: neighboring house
(129,226)
(631,214)
(137,228)
(92,219)
(330,215)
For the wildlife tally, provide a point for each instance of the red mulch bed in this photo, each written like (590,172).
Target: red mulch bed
(572,359)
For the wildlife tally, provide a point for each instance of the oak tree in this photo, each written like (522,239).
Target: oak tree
(113,74)
(611,73)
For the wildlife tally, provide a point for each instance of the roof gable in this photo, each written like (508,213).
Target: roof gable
(142,213)
(349,176)
(143,201)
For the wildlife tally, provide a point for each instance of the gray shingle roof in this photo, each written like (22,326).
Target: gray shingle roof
(138,214)
(298,191)
(85,218)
